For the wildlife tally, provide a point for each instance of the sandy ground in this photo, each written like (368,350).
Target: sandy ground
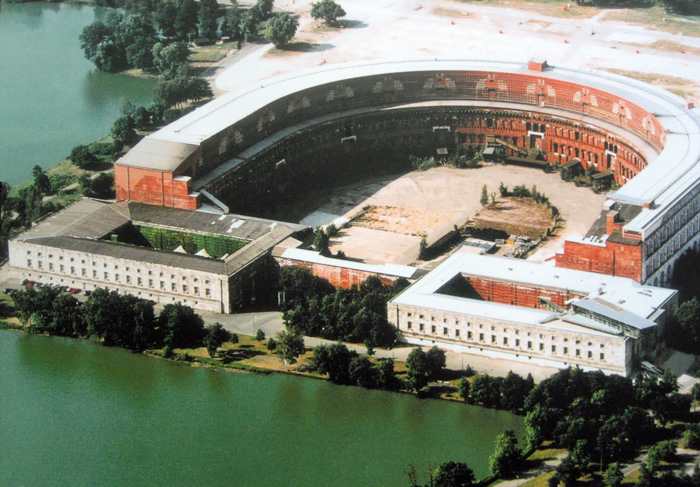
(385,29)
(454,192)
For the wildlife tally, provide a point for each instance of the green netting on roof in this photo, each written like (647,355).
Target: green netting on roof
(215,245)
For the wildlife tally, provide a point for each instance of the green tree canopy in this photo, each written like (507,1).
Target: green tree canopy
(82,156)
(334,360)
(215,336)
(181,326)
(290,344)
(208,18)
(453,474)
(506,456)
(327,10)
(281,29)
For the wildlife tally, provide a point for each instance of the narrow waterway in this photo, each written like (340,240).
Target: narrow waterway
(76,413)
(51,97)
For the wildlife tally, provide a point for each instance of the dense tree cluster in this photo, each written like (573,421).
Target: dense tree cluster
(422,367)
(119,320)
(344,366)
(507,392)
(596,416)
(314,307)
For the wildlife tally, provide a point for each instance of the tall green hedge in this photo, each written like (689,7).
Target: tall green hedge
(215,245)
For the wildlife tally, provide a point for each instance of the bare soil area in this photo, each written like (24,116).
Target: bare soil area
(403,220)
(443,197)
(516,216)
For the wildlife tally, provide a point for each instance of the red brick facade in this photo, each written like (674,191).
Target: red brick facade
(518,294)
(153,187)
(338,276)
(613,258)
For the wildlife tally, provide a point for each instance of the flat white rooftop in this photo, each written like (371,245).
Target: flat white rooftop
(623,294)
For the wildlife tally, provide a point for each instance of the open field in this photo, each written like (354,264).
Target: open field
(446,196)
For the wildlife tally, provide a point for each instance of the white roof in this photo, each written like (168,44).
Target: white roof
(665,179)
(316,258)
(623,293)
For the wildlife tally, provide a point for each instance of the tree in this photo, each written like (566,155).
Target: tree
(453,474)
(181,326)
(137,36)
(124,131)
(418,369)
(484,196)
(321,242)
(568,472)
(362,372)
(506,455)
(327,10)
(215,337)
(82,156)
(385,375)
(260,335)
(41,180)
(613,476)
(233,24)
(281,29)
(463,387)
(208,18)
(186,18)
(262,9)
(334,360)
(92,36)
(436,362)
(169,59)
(100,186)
(165,18)
(291,345)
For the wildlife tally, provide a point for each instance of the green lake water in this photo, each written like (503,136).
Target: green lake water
(74,413)
(51,97)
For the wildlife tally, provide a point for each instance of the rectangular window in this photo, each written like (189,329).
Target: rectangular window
(83,272)
(94,274)
(541,347)
(554,348)
(566,350)
(162,285)
(590,354)
(196,290)
(456,333)
(50,266)
(72,270)
(61,268)
(505,340)
(106,276)
(116,277)
(29,262)
(517,342)
(529,345)
(184,288)
(172,287)
(128,279)
(602,356)
(578,352)
(432,329)
(139,281)
(493,338)
(150,283)
(409,325)
(207,292)
(481,337)
(420,327)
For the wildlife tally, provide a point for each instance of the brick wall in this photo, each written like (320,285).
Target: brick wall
(612,258)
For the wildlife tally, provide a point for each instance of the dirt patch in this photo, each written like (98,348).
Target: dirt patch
(516,216)
(682,87)
(405,221)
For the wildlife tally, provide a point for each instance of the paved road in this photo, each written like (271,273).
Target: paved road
(271,323)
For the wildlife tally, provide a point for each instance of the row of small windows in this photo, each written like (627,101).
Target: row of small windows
(139,281)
